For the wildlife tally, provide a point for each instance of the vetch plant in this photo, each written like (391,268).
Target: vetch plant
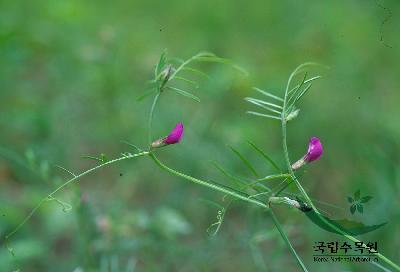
(282,109)
(314,152)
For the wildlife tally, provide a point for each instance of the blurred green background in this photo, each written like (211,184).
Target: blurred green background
(70,74)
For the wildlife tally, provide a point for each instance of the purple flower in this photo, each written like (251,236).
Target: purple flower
(174,137)
(314,152)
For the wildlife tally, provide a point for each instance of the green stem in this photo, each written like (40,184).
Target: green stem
(150,124)
(65,184)
(301,189)
(286,239)
(215,186)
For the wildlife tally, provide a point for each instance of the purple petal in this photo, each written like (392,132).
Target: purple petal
(175,136)
(315,150)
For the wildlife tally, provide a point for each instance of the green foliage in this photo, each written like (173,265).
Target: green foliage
(356,202)
(71,73)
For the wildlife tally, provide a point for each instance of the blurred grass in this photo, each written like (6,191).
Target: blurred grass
(70,73)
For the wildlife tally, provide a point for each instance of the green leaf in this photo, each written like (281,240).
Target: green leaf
(305,82)
(195,71)
(271,177)
(245,161)
(299,86)
(265,156)
(241,182)
(365,199)
(184,93)
(161,63)
(187,80)
(300,96)
(232,178)
(357,195)
(259,104)
(263,102)
(268,94)
(294,73)
(286,239)
(348,226)
(350,199)
(360,208)
(177,60)
(353,208)
(264,115)
(132,145)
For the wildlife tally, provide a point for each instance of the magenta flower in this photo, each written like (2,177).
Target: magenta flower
(314,152)
(174,137)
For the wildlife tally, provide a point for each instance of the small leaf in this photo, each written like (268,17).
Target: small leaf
(352,209)
(268,94)
(177,60)
(299,86)
(257,103)
(360,208)
(307,81)
(237,181)
(184,93)
(187,80)
(195,71)
(350,199)
(357,195)
(263,154)
(245,161)
(132,145)
(300,95)
(365,199)
(262,102)
(263,115)
(161,63)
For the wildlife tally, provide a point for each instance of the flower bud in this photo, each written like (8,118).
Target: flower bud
(166,75)
(173,137)
(292,115)
(314,152)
